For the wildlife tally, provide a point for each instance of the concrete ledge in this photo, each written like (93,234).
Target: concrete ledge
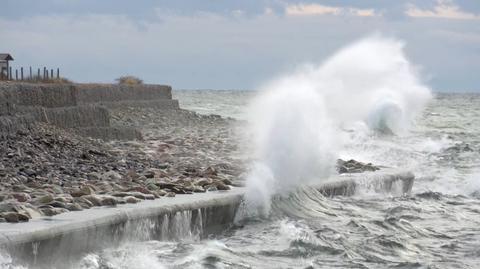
(54,241)
(386,180)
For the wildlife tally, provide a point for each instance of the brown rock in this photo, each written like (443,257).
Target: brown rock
(21,196)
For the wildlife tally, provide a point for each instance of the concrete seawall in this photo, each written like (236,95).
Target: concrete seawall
(81,107)
(59,239)
(99,93)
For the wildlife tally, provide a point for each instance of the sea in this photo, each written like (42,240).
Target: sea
(436,226)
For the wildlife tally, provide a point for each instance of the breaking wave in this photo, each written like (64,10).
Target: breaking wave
(298,120)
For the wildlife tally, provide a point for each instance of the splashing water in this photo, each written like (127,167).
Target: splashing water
(297,120)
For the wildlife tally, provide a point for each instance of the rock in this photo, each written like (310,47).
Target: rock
(111,175)
(227,181)
(149,174)
(221,186)
(161,192)
(21,197)
(45,199)
(52,211)
(140,189)
(170,194)
(64,199)
(203,182)
(198,188)
(57,204)
(131,199)
(94,199)
(94,176)
(13,206)
(10,217)
(352,166)
(138,195)
(15,217)
(211,188)
(85,203)
(152,187)
(109,201)
(74,207)
(84,190)
(120,194)
(209,172)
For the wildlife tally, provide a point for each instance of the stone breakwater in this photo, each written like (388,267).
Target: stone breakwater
(49,167)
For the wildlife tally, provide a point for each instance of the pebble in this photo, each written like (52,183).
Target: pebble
(49,171)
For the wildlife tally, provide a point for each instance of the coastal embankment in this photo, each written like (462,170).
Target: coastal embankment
(144,168)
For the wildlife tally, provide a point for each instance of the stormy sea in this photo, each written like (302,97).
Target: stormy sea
(436,226)
(365,103)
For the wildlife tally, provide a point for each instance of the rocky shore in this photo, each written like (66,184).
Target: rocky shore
(47,171)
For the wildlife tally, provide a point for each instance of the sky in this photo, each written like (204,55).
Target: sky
(241,44)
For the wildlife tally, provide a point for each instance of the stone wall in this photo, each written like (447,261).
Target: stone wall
(45,95)
(80,107)
(99,93)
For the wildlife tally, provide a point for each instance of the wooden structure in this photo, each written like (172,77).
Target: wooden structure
(4,66)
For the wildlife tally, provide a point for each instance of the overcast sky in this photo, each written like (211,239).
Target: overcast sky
(237,44)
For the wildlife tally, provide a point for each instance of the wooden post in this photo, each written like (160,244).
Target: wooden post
(38,74)
(16,74)
(21,73)
(31,75)
(51,73)
(10,75)
(58,73)
(45,74)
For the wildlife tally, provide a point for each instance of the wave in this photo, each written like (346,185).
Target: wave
(298,120)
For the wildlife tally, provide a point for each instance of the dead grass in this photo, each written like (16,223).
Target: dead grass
(129,80)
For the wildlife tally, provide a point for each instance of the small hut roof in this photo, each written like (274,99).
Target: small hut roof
(5,57)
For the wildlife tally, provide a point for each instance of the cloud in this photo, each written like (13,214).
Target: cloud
(316,9)
(444,9)
(222,51)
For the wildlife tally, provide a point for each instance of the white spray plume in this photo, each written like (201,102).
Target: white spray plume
(296,120)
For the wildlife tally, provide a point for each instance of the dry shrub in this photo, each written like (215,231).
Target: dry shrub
(129,80)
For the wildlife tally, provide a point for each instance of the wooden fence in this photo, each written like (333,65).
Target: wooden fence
(24,74)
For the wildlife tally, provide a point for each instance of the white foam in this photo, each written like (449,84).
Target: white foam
(298,120)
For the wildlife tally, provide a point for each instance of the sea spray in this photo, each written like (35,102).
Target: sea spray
(298,121)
